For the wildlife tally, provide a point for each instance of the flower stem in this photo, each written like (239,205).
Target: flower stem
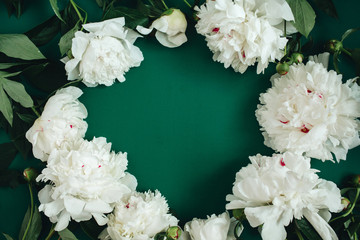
(31,211)
(187,3)
(35,111)
(166,7)
(75,6)
(52,230)
(298,233)
(351,209)
(345,51)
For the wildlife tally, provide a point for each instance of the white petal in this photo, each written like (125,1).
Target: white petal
(320,225)
(144,30)
(63,221)
(73,205)
(98,206)
(101,219)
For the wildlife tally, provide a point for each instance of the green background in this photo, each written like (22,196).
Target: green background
(187,124)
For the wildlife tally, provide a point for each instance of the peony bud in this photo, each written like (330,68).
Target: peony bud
(171,27)
(297,58)
(30,174)
(239,214)
(173,232)
(333,46)
(282,68)
(355,181)
(345,202)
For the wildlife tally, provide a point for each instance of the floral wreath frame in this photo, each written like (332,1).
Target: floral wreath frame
(225,228)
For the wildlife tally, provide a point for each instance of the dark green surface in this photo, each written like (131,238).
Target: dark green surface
(187,123)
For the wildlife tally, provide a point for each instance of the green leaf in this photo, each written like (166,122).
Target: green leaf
(10,178)
(28,118)
(14,6)
(100,3)
(24,223)
(304,16)
(307,229)
(7,236)
(8,152)
(348,33)
(17,135)
(44,32)
(327,6)
(47,77)
(354,226)
(19,46)
(35,224)
(9,65)
(7,74)
(71,18)
(91,228)
(5,106)
(133,17)
(66,40)
(56,10)
(67,235)
(17,92)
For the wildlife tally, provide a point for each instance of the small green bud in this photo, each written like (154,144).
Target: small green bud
(282,68)
(239,214)
(355,181)
(297,57)
(173,232)
(345,202)
(160,236)
(30,174)
(333,46)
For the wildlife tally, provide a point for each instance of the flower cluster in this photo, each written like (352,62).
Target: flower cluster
(310,111)
(274,190)
(243,32)
(213,228)
(103,54)
(87,180)
(61,122)
(139,216)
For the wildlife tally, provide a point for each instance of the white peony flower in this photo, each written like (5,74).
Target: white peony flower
(274,190)
(213,228)
(139,216)
(61,121)
(243,32)
(310,110)
(170,28)
(86,180)
(104,54)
